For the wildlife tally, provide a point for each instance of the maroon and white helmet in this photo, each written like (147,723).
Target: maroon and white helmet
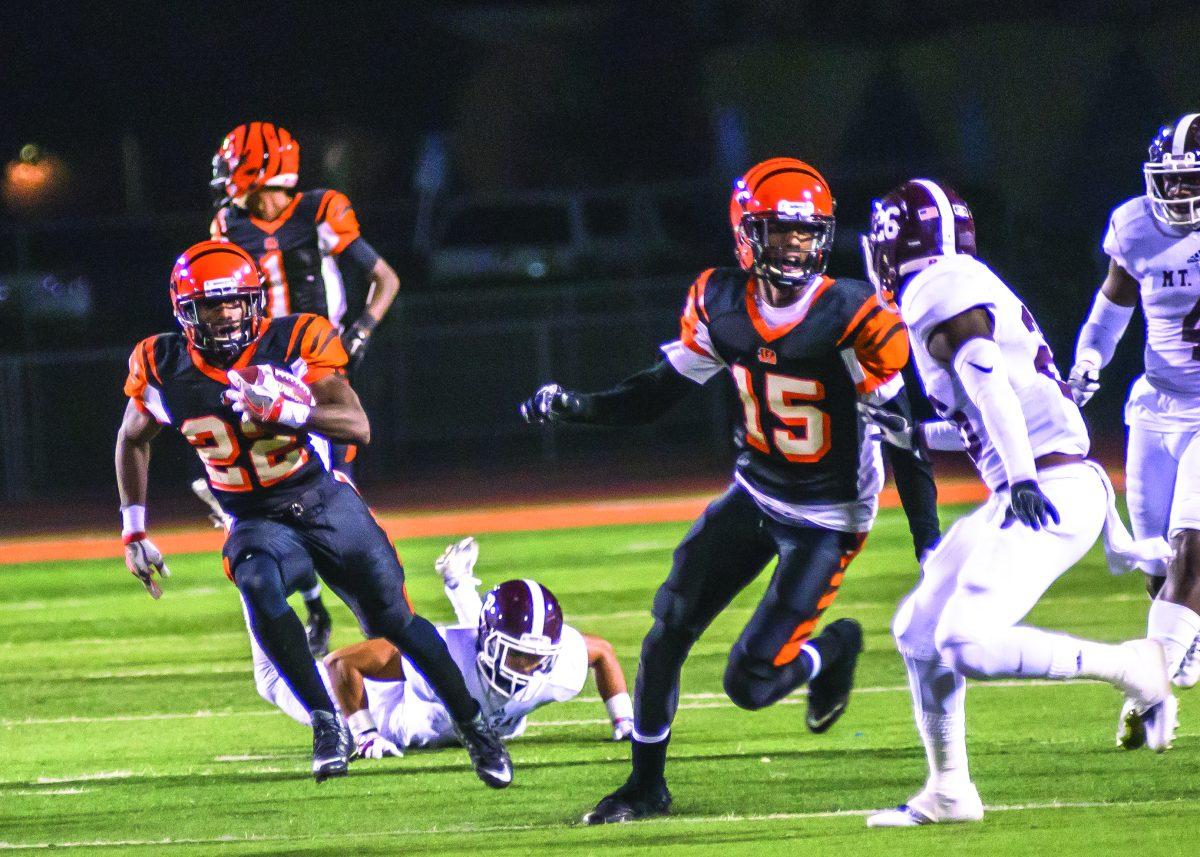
(520,633)
(912,227)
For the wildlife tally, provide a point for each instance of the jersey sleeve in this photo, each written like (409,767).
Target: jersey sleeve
(875,349)
(941,295)
(693,354)
(143,385)
(315,351)
(571,667)
(337,224)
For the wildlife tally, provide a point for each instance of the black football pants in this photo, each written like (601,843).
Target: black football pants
(330,528)
(727,548)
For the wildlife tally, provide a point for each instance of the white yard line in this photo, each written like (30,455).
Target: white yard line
(467,829)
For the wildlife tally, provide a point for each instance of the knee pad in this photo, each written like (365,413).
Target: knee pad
(748,682)
(260,580)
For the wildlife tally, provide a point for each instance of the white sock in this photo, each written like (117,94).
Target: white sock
(466,602)
(1175,626)
(939,707)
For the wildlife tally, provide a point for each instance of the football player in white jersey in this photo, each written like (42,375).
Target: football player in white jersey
(987,370)
(1153,245)
(512,646)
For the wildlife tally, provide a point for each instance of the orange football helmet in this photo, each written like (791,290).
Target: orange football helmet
(217,271)
(781,191)
(252,156)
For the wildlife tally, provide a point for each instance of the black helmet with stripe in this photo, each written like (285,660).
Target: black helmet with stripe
(1173,173)
(912,227)
(520,633)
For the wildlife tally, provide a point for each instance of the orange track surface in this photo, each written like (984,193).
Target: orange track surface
(557,516)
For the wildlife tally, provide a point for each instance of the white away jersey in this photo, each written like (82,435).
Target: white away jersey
(410,714)
(952,286)
(1166,264)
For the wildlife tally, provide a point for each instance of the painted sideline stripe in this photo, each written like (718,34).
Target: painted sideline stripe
(700,703)
(509,519)
(467,829)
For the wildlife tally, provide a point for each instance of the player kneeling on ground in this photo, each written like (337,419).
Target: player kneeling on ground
(514,650)
(987,369)
(245,391)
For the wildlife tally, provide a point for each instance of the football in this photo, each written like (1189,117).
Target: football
(264,378)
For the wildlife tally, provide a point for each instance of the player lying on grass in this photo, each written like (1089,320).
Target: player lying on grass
(512,646)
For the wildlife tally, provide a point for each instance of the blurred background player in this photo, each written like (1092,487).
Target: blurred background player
(297,238)
(986,368)
(803,350)
(225,384)
(513,647)
(1153,244)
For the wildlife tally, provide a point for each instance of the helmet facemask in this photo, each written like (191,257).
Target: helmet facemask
(221,342)
(1173,188)
(510,665)
(783,262)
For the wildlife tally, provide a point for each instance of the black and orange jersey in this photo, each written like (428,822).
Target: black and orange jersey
(296,250)
(251,470)
(799,372)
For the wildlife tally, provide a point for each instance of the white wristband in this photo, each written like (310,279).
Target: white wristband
(620,707)
(294,414)
(361,722)
(133,519)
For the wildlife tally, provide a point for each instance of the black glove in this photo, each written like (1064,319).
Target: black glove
(551,403)
(1030,506)
(355,339)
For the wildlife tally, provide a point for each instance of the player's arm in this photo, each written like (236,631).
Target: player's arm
(639,399)
(1100,334)
(966,341)
(378,660)
(138,430)
(610,681)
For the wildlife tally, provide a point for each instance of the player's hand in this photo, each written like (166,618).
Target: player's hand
(897,429)
(144,560)
(372,745)
(551,403)
(1030,506)
(623,730)
(1084,381)
(355,339)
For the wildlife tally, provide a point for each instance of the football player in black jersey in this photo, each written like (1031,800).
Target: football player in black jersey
(247,391)
(297,239)
(808,354)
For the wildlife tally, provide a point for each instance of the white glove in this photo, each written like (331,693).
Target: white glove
(143,559)
(623,729)
(372,745)
(1084,379)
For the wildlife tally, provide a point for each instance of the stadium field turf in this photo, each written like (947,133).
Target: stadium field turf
(133,726)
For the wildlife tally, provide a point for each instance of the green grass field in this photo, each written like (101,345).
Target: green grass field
(128,725)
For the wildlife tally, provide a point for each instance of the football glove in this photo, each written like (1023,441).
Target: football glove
(1084,381)
(551,403)
(1030,506)
(143,560)
(372,745)
(623,730)
(897,429)
(355,339)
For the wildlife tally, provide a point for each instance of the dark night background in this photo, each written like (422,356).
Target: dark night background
(546,178)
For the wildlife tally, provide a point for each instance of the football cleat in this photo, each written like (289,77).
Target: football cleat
(829,692)
(1188,673)
(491,760)
(931,808)
(631,802)
(1153,728)
(332,745)
(1144,679)
(457,563)
(318,628)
